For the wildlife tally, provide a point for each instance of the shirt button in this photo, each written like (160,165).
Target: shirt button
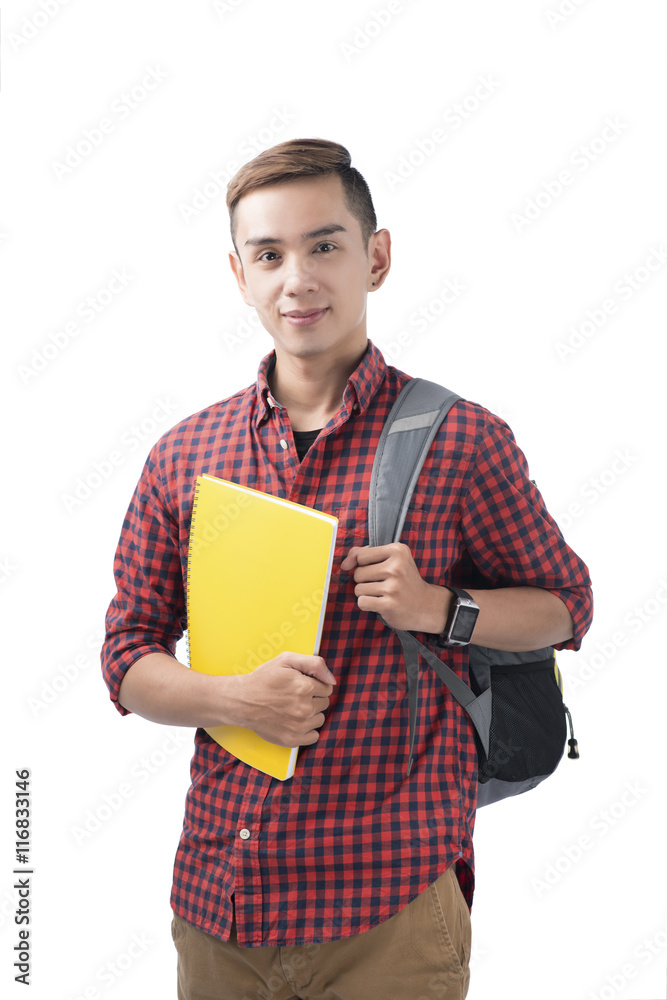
(356,406)
(283,443)
(270,401)
(244,834)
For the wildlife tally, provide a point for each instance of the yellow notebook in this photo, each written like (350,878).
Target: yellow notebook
(258,578)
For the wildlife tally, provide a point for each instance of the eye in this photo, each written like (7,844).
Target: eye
(266,253)
(320,245)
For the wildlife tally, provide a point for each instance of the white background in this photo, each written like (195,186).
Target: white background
(570,898)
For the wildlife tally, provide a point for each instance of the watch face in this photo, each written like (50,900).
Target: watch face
(464,624)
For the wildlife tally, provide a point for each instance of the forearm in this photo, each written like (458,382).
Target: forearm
(510,618)
(161,689)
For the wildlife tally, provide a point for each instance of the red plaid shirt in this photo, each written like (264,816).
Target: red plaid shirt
(349,840)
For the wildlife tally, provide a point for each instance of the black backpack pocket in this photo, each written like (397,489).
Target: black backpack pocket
(528,725)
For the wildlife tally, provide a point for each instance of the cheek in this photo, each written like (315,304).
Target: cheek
(265,300)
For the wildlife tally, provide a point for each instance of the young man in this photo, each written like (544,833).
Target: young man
(350,879)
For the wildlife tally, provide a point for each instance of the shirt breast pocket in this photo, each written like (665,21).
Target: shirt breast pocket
(353,531)
(353,526)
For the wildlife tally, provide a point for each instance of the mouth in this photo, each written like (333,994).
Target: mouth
(307,317)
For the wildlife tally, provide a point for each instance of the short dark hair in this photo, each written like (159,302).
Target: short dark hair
(298,158)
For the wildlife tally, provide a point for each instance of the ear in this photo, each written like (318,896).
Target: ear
(379,251)
(237,268)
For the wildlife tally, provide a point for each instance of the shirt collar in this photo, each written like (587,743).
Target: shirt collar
(361,387)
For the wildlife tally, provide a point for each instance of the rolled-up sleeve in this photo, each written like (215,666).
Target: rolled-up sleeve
(511,536)
(147,614)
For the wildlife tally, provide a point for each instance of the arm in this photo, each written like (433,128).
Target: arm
(512,618)
(160,688)
(282,700)
(542,594)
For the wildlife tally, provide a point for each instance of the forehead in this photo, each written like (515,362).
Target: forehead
(289,209)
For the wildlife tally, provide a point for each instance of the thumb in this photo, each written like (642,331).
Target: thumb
(350,560)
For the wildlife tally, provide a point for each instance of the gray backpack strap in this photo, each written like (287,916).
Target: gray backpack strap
(478,707)
(406,437)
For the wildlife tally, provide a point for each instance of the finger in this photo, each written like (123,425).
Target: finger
(323,691)
(376,588)
(309,687)
(314,723)
(371,573)
(350,560)
(377,605)
(369,554)
(314,666)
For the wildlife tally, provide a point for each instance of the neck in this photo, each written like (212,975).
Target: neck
(311,389)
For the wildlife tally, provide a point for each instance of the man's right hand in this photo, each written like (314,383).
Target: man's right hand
(284,699)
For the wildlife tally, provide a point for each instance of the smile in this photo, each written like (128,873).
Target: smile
(304,318)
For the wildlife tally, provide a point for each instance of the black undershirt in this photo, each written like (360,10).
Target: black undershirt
(303,441)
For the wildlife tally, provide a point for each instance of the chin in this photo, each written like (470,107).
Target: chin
(307,350)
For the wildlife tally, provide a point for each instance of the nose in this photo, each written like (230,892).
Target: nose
(300,276)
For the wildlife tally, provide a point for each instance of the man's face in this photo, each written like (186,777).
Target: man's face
(304,267)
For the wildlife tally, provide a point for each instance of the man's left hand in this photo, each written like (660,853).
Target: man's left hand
(389,583)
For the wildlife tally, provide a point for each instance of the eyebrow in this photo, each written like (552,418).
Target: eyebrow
(261,241)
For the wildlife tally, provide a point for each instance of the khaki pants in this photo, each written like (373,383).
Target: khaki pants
(421,953)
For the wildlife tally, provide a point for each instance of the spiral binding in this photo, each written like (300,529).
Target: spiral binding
(195,501)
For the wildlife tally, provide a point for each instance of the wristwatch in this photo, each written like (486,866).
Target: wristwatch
(460,622)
